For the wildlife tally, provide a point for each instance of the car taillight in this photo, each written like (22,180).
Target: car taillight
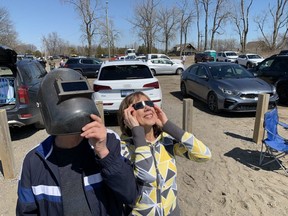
(23,95)
(100,87)
(152,85)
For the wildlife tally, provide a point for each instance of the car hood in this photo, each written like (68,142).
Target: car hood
(7,56)
(256,60)
(246,85)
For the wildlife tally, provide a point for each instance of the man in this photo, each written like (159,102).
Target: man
(78,169)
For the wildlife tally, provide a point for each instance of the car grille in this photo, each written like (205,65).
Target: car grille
(252,107)
(252,96)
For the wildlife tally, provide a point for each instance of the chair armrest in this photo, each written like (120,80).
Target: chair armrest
(284,125)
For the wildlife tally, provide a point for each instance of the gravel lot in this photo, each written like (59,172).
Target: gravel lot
(230,184)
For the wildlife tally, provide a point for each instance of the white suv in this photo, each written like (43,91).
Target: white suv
(163,56)
(227,56)
(117,79)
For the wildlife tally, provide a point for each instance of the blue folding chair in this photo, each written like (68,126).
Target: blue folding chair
(273,146)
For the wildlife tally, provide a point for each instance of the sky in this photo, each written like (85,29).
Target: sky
(34,19)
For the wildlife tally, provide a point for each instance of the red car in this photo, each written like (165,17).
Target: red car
(202,57)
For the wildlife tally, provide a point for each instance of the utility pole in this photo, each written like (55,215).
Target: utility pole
(108,35)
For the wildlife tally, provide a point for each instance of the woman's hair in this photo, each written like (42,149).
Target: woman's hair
(127,101)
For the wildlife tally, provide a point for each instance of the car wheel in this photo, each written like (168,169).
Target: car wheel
(212,102)
(179,71)
(183,90)
(236,62)
(282,91)
(153,72)
(249,65)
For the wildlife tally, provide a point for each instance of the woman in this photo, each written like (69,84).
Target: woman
(151,142)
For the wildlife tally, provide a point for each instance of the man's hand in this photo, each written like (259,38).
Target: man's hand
(96,132)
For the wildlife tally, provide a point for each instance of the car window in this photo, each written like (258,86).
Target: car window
(154,56)
(32,72)
(123,72)
(279,66)
(193,70)
(231,54)
(164,56)
(166,61)
(5,71)
(265,64)
(72,61)
(229,71)
(254,56)
(87,61)
(201,71)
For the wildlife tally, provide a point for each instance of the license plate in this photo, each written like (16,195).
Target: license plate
(124,93)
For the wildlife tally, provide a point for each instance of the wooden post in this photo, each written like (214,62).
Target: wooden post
(99,105)
(6,150)
(187,115)
(262,107)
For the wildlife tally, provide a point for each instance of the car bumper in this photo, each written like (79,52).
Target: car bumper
(243,105)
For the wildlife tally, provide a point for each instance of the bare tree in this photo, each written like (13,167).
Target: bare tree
(279,16)
(8,35)
(197,8)
(168,20)
(186,16)
(241,21)
(53,43)
(113,34)
(87,10)
(219,17)
(206,4)
(145,22)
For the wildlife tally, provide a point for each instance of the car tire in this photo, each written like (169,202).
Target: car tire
(248,65)
(179,71)
(183,90)
(212,102)
(282,92)
(153,72)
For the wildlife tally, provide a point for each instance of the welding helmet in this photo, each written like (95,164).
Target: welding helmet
(65,102)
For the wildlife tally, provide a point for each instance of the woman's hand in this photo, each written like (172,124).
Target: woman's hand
(130,119)
(96,132)
(162,118)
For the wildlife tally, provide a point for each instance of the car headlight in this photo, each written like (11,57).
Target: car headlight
(228,91)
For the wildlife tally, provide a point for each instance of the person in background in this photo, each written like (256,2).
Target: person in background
(151,142)
(78,170)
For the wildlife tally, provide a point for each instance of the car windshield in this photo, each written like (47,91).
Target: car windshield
(229,72)
(253,56)
(231,54)
(123,72)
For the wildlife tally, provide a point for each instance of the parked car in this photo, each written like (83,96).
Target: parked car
(19,84)
(165,66)
(88,67)
(249,60)
(225,87)
(274,70)
(283,52)
(163,56)
(227,56)
(117,79)
(202,57)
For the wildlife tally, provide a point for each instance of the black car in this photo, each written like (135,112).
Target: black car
(274,70)
(88,67)
(19,84)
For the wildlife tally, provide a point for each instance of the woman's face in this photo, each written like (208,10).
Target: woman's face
(145,114)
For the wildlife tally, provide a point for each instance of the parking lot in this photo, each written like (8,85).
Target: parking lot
(231,183)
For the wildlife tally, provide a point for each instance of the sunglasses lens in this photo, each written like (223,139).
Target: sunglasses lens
(149,103)
(138,105)
(141,104)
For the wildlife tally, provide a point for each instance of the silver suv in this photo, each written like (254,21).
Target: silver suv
(227,56)
(19,84)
